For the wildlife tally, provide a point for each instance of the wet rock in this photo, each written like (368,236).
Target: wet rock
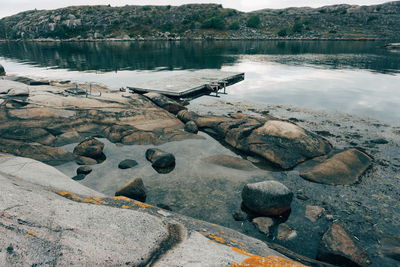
(159,158)
(338,248)
(2,71)
(380,141)
(229,162)
(285,232)
(165,102)
(85,170)
(338,168)
(391,247)
(79,177)
(313,213)
(134,189)
(239,215)
(263,224)
(191,127)
(127,164)
(164,206)
(91,148)
(85,161)
(37,83)
(68,138)
(269,198)
(21,91)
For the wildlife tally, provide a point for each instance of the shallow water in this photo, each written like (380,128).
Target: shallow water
(356,77)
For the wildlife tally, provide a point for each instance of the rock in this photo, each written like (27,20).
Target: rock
(391,247)
(239,215)
(134,189)
(84,170)
(269,198)
(85,161)
(164,206)
(313,213)
(379,141)
(263,224)
(285,232)
(37,83)
(165,102)
(338,248)
(229,162)
(191,127)
(329,217)
(21,91)
(79,177)
(127,164)
(2,71)
(159,158)
(338,168)
(90,147)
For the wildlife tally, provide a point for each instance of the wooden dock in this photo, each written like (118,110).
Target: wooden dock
(192,83)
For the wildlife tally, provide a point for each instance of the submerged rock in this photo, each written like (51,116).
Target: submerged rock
(285,232)
(230,162)
(79,177)
(127,164)
(263,224)
(134,189)
(338,248)
(313,213)
(269,198)
(165,102)
(159,158)
(338,168)
(191,127)
(91,148)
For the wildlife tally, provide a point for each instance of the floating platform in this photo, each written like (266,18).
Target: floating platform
(191,83)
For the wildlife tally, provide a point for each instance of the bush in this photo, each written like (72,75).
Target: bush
(254,21)
(297,27)
(282,33)
(234,26)
(217,23)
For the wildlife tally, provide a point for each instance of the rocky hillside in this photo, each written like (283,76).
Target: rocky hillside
(204,21)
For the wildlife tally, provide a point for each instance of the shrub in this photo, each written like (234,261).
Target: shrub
(234,26)
(217,23)
(282,33)
(297,27)
(254,21)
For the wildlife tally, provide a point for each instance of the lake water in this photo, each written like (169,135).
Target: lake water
(356,77)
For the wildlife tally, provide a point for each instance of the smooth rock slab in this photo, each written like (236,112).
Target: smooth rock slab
(339,168)
(134,189)
(229,162)
(22,91)
(269,198)
(338,248)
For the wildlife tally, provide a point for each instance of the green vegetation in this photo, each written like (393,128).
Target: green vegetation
(216,23)
(254,21)
(282,32)
(234,26)
(297,27)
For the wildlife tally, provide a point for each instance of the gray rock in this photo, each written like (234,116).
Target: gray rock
(263,224)
(85,170)
(159,158)
(127,164)
(134,189)
(91,148)
(338,168)
(338,248)
(191,127)
(313,213)
(269,198)
(2,71)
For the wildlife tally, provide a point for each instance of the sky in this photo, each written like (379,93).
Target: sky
(11,7)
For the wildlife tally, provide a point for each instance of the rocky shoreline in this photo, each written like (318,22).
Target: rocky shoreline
(40,121)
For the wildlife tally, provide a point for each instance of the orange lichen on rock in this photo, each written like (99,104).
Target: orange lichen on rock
(217,238)
(93,200)
(30,234)
(269,261)
(122,198)
(69,195)
(144,205)
(125,207)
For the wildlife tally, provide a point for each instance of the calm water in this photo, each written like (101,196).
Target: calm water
(357,77)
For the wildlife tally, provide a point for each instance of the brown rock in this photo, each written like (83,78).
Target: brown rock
(338,248)
(263,224)
(230,162)
(134,189)
(191,127)
(165,102)
(85,161)
(91,148)
(285,232)
(313,213)
(159,158)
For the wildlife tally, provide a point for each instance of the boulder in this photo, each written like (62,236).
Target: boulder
(313,213)
(338,248)
(134,189)
(338,168)
(191,127)
(268,198)
(127,164)
(159,158)
(285,232)
(21,91)
(90,147)
(2,71)
(263,224)
(165,102)
(85,170)
(229,162)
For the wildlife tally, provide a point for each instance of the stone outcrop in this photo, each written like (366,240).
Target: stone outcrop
(280,142)
(337,168)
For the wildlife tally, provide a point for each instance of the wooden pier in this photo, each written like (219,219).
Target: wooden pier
(192,83)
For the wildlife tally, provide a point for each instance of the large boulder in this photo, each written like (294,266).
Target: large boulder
(134,189)
(338,248)
(268,198)
(159,158)
(338,168)
(90,147)
(2,71)
(165,102)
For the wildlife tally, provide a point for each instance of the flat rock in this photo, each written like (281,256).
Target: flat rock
(338,168)
(269,198)
(90,147)
(229,162)
(313,213)
(134,189)
(338,248)
(165,102)
(263,224)
(127,164)
(159,158)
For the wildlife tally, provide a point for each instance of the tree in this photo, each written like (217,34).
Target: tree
(254,21)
